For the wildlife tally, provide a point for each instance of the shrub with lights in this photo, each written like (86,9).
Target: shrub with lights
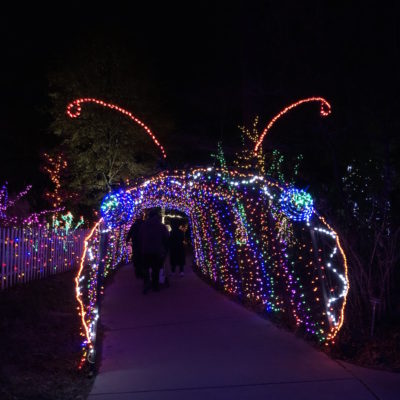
(259,240)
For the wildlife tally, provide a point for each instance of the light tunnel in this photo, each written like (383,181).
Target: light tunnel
(256,240)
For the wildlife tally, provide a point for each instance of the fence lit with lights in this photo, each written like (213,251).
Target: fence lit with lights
(27,254)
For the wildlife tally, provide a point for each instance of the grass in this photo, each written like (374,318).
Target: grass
(40,342)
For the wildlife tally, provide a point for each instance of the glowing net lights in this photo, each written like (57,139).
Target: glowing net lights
(297,204)
(74,110)
(117,208)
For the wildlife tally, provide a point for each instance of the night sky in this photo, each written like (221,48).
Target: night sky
(218,66)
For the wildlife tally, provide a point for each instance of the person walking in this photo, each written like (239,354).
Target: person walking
(177,247)
(133,236)
(153,235)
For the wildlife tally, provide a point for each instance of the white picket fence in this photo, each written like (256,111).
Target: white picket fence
(27,254)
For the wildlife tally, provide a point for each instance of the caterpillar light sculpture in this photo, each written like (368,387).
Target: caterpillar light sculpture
(258,240)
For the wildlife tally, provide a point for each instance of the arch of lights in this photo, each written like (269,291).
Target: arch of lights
(256,239)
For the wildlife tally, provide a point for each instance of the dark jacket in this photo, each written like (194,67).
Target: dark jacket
(133,234)
(154,236)
(176,247)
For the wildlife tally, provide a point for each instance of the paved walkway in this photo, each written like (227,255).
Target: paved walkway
(191,342)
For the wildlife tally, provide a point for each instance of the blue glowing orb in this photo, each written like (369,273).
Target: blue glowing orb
(117,208)
(297,204)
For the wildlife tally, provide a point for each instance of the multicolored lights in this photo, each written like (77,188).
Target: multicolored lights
(117,209)
(257,239)
(297,204)
(233,219)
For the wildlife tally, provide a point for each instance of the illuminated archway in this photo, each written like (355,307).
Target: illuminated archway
(260,241)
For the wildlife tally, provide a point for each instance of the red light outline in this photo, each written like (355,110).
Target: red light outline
(74,111)
(325,110)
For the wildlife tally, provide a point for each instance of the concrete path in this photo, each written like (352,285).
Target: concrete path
(190,342)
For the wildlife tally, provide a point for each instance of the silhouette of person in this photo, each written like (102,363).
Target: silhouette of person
(133,236)
(153,236)
(177,247)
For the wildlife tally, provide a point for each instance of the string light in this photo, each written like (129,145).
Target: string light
(74,110)
(35,217)
(31,252)
(247,159)
(6,204)
(233,219)
(66,223)
(252,236)
(325,110)
(117,208)
(55,167)
(87,345)
(297,204)
(19,196)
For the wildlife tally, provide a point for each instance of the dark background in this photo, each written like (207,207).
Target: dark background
(218,66)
